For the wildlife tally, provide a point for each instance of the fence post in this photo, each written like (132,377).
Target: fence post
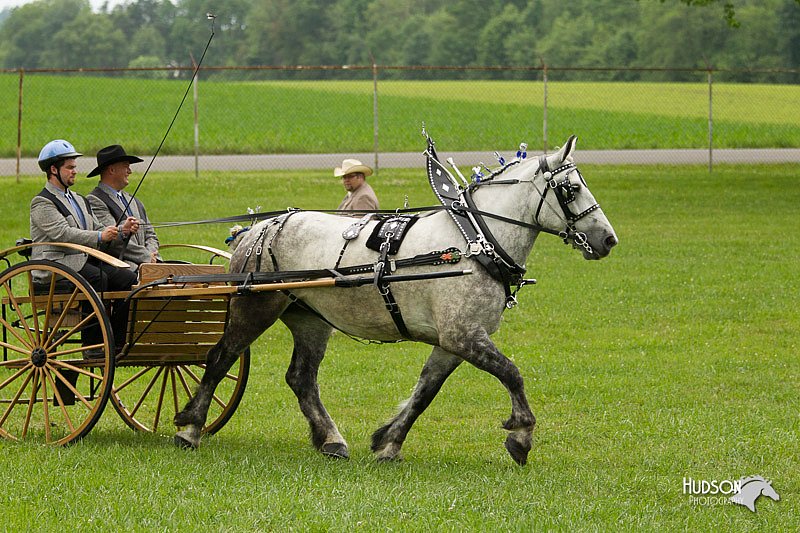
(544,106)
(710,122)
(375,112)
(196,122)
(19,120)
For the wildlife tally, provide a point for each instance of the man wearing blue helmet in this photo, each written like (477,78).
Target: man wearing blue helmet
(60,215)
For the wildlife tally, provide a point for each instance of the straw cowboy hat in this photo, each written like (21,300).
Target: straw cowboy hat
(349,166)
(112,154)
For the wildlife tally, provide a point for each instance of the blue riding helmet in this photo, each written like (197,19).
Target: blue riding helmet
(55,151)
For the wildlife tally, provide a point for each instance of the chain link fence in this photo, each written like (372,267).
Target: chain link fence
(245,118)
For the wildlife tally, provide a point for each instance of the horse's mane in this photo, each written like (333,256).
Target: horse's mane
(237,233)
(750,479)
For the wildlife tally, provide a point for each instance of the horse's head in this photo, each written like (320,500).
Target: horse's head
(567,206)
(769,492)
(750,488)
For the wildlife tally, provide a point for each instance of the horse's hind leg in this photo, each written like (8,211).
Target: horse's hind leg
(387,441)
(248,317)
(477,349)
(310,341)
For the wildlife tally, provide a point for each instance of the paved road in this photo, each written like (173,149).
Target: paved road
(465,160)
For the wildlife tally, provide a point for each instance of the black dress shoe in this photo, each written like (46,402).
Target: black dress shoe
(94,353)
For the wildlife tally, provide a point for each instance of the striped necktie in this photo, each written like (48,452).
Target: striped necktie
(77,209)
(125,203)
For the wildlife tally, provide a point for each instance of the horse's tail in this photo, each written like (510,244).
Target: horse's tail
(237,232)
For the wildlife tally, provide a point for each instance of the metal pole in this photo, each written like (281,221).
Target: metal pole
(19,121)
(375,112)
(196,121)
(544,107)
(710,123)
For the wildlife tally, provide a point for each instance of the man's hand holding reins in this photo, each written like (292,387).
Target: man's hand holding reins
(130,226)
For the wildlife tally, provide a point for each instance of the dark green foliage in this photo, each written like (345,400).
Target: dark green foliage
(582,33)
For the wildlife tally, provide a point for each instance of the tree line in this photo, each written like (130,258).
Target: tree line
(674,34)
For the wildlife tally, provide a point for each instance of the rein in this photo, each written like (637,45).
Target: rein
(569,233)
(427,209)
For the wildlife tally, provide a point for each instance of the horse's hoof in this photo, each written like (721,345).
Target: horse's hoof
(183,439)
(335,450)
(390,453)
(517,451)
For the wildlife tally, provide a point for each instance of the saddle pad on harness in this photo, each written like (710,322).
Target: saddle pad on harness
(397,226)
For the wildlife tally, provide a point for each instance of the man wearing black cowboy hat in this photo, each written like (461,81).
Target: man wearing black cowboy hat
(112,207)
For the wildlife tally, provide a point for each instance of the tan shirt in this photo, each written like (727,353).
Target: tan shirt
(362,198)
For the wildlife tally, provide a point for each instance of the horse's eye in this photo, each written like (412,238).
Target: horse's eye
(576,181)
(568,191)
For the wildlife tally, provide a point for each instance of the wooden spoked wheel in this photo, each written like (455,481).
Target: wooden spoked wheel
(53,387)
(148,397)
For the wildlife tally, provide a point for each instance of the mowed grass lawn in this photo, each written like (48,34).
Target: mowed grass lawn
(675,357)
(337,116)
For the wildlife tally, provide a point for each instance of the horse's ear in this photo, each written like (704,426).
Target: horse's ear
(569,147)
(566,150)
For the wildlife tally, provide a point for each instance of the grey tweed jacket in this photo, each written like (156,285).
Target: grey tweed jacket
(49,225)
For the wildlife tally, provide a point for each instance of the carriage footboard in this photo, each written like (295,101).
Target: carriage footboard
(173,330)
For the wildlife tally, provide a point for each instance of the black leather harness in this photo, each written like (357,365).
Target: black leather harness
(481,243)
(387,237)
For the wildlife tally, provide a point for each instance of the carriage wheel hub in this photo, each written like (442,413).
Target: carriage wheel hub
(38,356)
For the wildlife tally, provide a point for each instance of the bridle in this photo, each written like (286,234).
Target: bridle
(564,192)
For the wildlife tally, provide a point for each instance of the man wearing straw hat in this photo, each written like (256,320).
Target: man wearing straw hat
(360,196)
(110,204)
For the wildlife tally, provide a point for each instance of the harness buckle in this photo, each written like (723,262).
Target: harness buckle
(511,301)
(474,248)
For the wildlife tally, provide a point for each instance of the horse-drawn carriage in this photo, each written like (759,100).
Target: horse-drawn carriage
(189,326)
(54,387)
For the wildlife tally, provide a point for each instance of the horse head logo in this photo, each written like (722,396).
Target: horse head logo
(751,488)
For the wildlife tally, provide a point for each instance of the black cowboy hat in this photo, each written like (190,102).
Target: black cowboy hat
(112,154)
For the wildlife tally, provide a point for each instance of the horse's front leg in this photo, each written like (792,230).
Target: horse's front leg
(387,440)
(310,342)
(248,317)
(477,348)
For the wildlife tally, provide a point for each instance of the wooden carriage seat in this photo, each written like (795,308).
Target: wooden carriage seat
(152,271)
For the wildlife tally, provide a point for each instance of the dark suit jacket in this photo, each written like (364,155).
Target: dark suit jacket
(142,244)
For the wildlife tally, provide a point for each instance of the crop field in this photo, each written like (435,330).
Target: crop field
(271,117)
(675,357)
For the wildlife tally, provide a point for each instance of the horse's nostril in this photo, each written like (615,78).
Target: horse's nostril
(611,241)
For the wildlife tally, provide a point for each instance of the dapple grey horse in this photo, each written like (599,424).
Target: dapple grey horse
(454,315)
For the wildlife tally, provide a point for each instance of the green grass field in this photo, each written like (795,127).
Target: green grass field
(675,357)
(337,116)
